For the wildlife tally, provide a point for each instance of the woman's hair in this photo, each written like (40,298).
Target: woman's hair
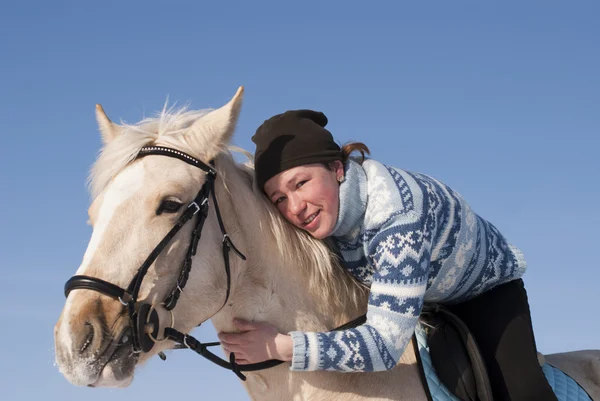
(351,147)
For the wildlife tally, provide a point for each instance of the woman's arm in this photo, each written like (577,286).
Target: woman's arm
(400,253)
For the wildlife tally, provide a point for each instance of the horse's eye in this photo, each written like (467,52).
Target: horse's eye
(168,206)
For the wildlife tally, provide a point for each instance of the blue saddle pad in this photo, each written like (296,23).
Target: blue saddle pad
(565,388)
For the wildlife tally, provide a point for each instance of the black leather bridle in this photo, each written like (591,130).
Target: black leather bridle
(144,320)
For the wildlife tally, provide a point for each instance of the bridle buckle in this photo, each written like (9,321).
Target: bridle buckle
(125,299)
(197,207)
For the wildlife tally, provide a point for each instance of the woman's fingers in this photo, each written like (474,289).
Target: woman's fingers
(231,338)
(233,348)
(240,357)
(257,343)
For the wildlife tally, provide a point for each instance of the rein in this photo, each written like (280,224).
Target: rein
(144,320)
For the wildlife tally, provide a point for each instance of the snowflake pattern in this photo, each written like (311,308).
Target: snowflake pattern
(419,241)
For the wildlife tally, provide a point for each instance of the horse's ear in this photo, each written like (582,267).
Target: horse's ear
(108,129)
(219,124)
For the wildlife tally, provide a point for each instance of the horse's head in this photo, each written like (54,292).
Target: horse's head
(137,202)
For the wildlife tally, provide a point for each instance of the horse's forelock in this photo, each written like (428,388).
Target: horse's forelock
(167,129)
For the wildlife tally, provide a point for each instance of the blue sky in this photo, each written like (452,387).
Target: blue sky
(499,100)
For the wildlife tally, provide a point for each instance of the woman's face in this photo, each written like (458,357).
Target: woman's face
(308,196)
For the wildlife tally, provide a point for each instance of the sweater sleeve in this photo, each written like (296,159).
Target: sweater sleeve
(400,252)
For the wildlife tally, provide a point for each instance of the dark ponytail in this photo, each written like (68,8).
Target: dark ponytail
(351,147)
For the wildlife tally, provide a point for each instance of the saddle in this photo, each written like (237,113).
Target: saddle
(455,355)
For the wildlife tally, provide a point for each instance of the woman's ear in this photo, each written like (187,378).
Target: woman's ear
(338,168)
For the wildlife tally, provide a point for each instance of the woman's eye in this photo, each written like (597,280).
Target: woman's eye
(279,200)
(168,206)
(298,185)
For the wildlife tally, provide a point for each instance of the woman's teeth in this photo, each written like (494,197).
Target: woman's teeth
(311,218)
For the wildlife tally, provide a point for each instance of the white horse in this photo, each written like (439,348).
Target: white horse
(289,279)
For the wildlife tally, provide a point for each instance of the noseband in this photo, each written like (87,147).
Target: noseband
(144,320)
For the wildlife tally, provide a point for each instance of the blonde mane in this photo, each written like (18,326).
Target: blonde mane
(325,276)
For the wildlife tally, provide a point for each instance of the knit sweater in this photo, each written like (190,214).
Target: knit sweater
(412,239)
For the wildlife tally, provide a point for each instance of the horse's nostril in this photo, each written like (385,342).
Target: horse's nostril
(88,338)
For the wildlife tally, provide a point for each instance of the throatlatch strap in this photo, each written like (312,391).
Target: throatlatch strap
(226,238)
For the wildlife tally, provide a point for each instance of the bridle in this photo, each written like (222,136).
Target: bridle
(144,320)
(143,317)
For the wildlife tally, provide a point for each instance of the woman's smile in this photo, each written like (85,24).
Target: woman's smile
(311,221)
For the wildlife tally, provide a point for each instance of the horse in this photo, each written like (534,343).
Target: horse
(284,276)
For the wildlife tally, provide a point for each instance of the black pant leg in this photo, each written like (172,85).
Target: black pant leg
(500,321)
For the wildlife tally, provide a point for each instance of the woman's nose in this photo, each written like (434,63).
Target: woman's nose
(297,204)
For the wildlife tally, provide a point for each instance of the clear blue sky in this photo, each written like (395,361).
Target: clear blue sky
(501,100)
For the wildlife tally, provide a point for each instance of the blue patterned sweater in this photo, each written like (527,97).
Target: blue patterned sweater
(412,240)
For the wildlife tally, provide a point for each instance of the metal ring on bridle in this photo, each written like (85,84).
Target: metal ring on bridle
(153,307)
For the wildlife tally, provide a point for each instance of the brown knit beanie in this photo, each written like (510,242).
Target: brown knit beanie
(292,139)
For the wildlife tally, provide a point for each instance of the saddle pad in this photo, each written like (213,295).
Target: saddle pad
(565,388)
(438,391)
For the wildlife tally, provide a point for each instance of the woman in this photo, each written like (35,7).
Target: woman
(411,239)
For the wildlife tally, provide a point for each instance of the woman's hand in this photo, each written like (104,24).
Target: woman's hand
(257,342)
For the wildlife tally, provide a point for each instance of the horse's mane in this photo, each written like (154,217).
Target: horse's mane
(166,129)
(326,276)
